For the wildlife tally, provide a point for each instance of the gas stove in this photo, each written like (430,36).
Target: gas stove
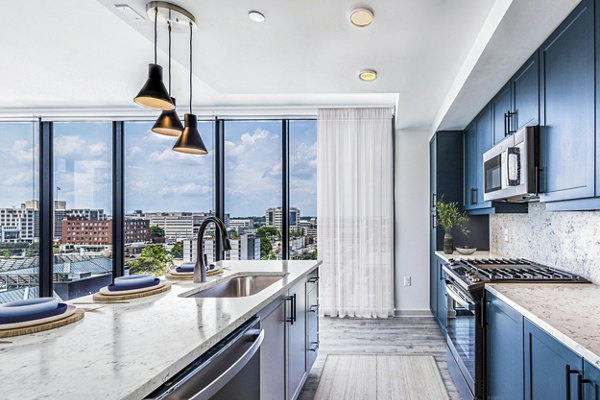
(472,274)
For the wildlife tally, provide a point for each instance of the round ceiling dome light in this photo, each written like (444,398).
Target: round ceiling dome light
(361,17)
(256,16)
(367,75)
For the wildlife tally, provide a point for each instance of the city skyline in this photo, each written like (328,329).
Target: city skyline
(83,158)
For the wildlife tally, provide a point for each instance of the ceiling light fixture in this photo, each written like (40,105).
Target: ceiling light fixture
(256,16)
(168,123)
(361,17)
(190,140)
(154,94)
(367,75)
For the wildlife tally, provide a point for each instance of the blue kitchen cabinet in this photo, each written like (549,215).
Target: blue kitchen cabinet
(525,88)
(567,102)
(470,196)
(446,182)
(483,125)
(504,350)
(501,104)
(591,382)
(552,370)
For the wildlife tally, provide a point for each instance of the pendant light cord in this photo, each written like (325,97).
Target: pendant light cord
(191,30)
(155,35)
(169,25)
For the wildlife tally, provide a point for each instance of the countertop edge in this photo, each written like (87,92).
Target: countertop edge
(551,330)
(160,378)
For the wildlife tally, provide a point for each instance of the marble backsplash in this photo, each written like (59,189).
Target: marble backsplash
(566,240)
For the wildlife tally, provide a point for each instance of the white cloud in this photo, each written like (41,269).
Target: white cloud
(67,146)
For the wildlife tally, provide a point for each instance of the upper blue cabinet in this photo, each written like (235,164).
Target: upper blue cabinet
(567,108)
(501,112)
(525,87)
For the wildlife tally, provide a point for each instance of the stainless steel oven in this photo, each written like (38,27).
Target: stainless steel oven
(511,168)
(464,355)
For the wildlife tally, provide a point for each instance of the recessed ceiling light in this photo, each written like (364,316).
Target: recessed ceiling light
(361,17)
(368,75)
(256,16)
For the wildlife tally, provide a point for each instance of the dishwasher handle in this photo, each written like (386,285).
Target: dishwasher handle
(212,388)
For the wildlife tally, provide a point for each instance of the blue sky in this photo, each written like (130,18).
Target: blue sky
(158,179)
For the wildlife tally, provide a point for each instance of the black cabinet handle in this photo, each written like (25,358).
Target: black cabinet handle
(314,308)
(473,196)
(292,300)
(433,220)
(506,124)
(568,374)
(314,346)
(582,382)
(313,279)
(294,305)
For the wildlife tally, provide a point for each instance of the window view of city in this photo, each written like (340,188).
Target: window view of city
(19,215)
(167,197)
(82,207)
(166,192)
(303,189)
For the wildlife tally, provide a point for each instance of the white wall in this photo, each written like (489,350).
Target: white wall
(412,221)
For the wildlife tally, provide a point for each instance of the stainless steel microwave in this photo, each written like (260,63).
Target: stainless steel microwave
(511,167)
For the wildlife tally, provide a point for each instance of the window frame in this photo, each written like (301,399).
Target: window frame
(46,189)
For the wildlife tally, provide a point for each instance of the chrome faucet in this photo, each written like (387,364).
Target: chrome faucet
(200,266)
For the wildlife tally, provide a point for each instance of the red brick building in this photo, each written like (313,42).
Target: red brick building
(99,232)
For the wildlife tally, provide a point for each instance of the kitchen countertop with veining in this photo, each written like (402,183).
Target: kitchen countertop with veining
(570,312)
(125,351)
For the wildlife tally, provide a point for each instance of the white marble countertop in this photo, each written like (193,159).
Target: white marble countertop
(457,256)
(125,351)
(570,312)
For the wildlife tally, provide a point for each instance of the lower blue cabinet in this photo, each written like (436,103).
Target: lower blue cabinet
(591,382)
(504,351)
(552,370)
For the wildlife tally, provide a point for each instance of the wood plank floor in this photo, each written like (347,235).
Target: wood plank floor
(406,336)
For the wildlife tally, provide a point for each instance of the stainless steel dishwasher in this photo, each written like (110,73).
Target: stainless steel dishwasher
(230,370)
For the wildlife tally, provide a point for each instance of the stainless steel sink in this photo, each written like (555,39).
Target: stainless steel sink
(238,286)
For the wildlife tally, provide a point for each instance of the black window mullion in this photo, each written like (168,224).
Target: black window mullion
(118,195)
(219,141)
(46,209)
(285,192)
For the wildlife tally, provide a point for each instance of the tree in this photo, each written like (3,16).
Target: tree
(33,249)
(267,231)
(233,234)
(157,252)
(152,260)
(177,251)
(265,247)
(5,254)
(156,231)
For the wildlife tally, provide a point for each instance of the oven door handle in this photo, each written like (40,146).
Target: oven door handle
(463,302)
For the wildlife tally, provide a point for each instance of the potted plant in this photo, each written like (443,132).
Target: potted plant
(450,217)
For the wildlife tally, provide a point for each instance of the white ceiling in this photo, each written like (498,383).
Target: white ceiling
(437,59)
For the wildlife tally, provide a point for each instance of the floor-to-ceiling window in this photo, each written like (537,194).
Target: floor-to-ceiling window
(303,189)
(19,211)
(82,168)
(167,197)
(253,173)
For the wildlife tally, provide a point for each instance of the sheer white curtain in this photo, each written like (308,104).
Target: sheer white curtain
(355,211)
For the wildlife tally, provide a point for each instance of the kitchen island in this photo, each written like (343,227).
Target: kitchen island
(125,351)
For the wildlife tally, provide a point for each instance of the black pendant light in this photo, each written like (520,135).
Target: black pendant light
(153,93)
(190,140)
(168,122)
